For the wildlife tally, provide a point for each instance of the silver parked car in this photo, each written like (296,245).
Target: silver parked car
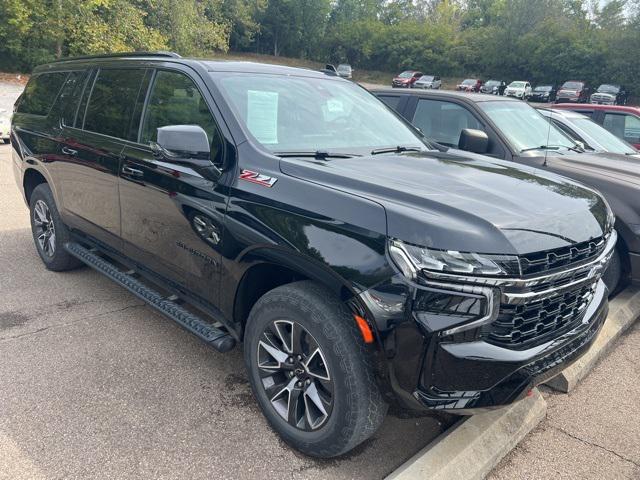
(589,134)
(5,126)
(428,81)
(344,70)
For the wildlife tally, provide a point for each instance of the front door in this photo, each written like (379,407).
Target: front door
(172,215)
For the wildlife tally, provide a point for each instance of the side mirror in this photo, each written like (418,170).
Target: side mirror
(472,140)
(183,143)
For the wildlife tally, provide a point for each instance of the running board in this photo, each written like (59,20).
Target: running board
(218,339)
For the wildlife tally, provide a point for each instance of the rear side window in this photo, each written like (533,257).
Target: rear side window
(41,92)
(113,101)
(623,126)
(443,121)
(175,100)
(70,96)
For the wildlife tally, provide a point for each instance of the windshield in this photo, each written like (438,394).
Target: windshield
(469,81)
(426,78)
(543,88)
(492,83)
(523,126)
(608,89)
(344,68)
(572,85)
(517,84)
(608,140)
(406,75)
(306,114)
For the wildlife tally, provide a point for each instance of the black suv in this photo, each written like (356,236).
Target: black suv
(293,211)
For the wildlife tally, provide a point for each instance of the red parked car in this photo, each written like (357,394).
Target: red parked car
(574,91)
(621,120)
(470,85)
(406,79)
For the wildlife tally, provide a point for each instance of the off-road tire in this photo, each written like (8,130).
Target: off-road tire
(358,408)
(60,260)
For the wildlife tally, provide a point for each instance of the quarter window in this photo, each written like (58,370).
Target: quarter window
(41,92)
(443,121)
(391,101)
(175,100)
(112,103)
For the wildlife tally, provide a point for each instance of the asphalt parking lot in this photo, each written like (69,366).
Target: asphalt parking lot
(94,384)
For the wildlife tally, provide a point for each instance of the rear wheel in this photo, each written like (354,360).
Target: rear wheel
(49,233)
(310,371)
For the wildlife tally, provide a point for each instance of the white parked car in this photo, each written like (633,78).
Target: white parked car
(344,70)
(428,81)
(519,89)
(5,126)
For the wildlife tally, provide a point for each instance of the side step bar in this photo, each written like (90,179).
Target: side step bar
(218,339)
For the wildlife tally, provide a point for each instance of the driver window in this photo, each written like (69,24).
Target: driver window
(175,100)
(443,121)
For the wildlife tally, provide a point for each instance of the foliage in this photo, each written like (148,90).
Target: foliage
(536,40)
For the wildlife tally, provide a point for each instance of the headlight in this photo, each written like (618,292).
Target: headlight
(411,259)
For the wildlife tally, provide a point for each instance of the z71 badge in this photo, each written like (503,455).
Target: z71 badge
(260,179)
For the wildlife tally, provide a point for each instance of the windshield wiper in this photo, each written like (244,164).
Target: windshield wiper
(398,149)
(553,147)
(319,154)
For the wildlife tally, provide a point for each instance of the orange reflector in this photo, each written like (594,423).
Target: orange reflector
(365,329)
(529,393)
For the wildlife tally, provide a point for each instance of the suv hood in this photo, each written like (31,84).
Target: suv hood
(467,202)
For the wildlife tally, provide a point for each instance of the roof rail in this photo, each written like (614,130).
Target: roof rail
(121,54)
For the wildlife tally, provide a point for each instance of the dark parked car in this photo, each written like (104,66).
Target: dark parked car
(543,94)
(621,120)
(573,91)
(608,94)
(470,85)
(406,79)
(592,136)
(359,264)
(505,128)
(494,87)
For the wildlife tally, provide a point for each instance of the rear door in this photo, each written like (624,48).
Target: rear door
(173,214)
(92,149)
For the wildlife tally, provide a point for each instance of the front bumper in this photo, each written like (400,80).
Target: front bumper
(492,376)
(449,360)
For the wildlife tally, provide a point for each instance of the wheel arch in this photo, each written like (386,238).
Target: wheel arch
(31,179)
(271,267)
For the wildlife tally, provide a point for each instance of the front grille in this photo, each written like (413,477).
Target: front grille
(542,262)
(528,324)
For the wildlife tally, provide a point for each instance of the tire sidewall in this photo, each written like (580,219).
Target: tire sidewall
(339,422)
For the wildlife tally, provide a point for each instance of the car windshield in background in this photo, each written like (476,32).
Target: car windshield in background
(516,84)
(543,88)
(426,78)
(608,89)
(524,127)
(469,81)
(406,75)
(572,85)
(608,140)
(492,83)
(344,68)
(306,114)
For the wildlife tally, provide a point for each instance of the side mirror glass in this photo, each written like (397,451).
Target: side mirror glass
(183,143)
(473,140)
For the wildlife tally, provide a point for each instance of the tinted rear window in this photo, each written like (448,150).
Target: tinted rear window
(113,101)
(41,92)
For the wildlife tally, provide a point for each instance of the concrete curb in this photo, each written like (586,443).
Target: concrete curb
(623,311)
(475,445)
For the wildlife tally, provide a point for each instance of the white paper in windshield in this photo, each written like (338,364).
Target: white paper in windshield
(262,115)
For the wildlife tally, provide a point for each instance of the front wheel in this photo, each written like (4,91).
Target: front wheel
(310,371)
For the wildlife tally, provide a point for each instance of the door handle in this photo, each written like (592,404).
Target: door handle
(69,151)
(134,172)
